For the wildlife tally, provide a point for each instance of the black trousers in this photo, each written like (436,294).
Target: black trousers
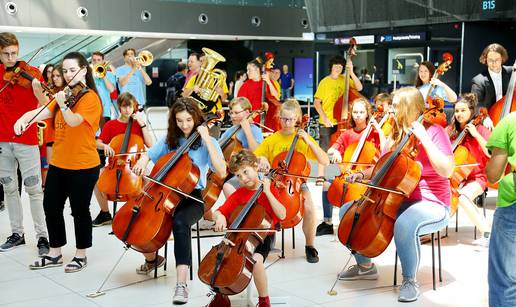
(76,185)
(187,213)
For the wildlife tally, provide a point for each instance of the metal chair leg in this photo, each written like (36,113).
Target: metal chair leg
(395,281)
(439,255)
(433,261)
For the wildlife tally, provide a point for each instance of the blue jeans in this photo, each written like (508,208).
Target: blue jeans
(414,219)
(285,94)
(501,274)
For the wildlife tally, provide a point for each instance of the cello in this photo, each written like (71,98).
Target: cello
(506,104)
(437,103)
(271,118)
(357,157)
(228,268)
(117,180)
(145,222)
(367,227)
(341,108)
(465,162)
(293,163)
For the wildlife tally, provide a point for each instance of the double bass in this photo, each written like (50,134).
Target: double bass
(506,104)
(271,119)
(292,166)
(341,110)
(367,227)
(228,266)
(145,221)
(465,162)
(117,180)
(437,103)
(357,157)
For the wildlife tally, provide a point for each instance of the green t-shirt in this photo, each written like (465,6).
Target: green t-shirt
(504,137)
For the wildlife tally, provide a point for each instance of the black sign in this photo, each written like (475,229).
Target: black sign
(402,37)
(398,66)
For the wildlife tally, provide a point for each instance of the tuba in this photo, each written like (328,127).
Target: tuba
(210,78)
(145,58)
(41,132)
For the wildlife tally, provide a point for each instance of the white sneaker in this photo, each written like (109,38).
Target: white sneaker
(180,294)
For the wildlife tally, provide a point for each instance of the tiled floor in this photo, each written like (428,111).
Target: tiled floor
(292,279)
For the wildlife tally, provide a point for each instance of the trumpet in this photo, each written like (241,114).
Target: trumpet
(144,57)
(100,70)
(41,133)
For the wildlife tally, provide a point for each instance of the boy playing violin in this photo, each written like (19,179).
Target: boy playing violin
(279,142)
(245,167)
(128,107)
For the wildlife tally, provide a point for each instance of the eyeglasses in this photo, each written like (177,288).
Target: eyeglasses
(231,113)
(286,119)
(494,61)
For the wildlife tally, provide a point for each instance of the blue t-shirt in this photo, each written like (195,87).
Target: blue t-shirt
(103,93)
(135,85)
(199,156)
(437,92)
(240,135)
(286,80)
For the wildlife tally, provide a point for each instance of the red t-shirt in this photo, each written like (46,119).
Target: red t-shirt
(115,127)
(15,101)
(471,144)
(351,136)
(241,196)
(252,90)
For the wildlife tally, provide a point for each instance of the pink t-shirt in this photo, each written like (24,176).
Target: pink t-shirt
(433,187)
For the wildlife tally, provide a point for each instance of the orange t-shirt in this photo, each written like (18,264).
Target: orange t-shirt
(74,147)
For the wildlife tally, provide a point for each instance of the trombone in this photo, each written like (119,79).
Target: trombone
(100,70)
(144,58)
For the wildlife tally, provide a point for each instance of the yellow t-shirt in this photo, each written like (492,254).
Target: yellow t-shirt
(75,147)
(277,86)
(218,105)
(278,143)
(328,91)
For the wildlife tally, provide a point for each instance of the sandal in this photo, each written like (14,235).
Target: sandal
(76,265)
(46,262)
(150,265)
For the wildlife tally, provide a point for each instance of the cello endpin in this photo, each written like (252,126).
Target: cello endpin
(332,293)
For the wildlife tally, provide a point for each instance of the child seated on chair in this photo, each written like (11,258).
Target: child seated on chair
(245,167)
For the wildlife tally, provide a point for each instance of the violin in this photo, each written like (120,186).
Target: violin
(145,222)
(341,110)
(367,226)
(437,102)
(294,163)
(271,118)
(228,269)
(359,155)
(230,146)
(506,104)
(22,74)
(465,162)
(117,180)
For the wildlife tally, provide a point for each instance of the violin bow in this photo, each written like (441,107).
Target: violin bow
(17,69)
(30,122)
(151,179)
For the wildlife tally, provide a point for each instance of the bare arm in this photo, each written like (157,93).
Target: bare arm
(146,78)
(441,163)
(495,168)
(217,160)
(123,80)
(279,210)
(110,87)
(321,155)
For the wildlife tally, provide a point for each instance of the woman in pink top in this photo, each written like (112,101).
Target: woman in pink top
(427,209)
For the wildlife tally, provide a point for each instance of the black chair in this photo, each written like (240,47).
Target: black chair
(395,281)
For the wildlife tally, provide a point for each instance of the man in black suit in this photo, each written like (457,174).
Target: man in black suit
(491,85)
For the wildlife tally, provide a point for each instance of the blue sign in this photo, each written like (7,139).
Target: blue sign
(401,37)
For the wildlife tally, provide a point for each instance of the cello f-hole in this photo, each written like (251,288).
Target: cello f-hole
(156,206)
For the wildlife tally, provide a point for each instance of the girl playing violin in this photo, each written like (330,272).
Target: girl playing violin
(475,142)
(424,79)
(74,168)
(244,165)
(280,141)
(185,117)
(360,116)
(250,135)
(128,107)
(426,209)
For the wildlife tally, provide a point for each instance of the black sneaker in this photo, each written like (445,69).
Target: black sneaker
(324,229)
(12,241)
(43,247)
(2,205)
(104,218)
(312,256)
